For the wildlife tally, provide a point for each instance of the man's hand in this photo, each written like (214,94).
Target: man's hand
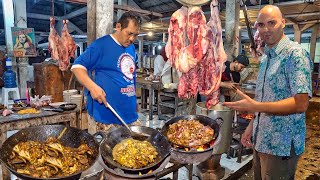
(245,104)
(246,136)
(97,93)
(229,85)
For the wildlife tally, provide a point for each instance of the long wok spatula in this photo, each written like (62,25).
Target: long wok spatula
(135,135)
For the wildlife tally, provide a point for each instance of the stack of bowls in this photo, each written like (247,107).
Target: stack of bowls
(68,93)
(76,99)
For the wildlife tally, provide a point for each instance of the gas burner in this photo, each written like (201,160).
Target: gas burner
(117,173)
(200,148)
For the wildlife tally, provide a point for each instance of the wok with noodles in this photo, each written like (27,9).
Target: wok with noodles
(37,153)
(49,159)
(134,153)
(189,133)
(120,151)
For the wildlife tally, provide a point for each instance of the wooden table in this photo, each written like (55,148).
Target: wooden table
(151,87)
(17,122)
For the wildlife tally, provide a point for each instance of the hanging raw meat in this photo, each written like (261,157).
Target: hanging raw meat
(176,38)
(202,61)
(212,66)
(57,47)
(259,44)
(54,39)
(67,40)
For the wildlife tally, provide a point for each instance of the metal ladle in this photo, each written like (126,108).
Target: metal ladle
(135,135)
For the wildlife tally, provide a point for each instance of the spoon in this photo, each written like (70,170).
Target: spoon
(135,135)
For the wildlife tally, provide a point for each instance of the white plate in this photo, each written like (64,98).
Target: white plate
(57,104)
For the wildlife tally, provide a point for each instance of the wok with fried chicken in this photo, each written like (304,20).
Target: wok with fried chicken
(37,153)
(49,159)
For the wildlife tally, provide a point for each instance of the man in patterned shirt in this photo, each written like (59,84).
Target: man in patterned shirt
(282,96)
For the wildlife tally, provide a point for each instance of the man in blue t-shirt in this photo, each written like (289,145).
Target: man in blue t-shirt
(107,70)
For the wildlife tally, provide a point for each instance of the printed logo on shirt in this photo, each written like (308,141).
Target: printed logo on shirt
(129,90)
(127,65)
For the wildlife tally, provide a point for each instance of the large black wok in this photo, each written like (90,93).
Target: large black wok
(193,156)
(71,137)
(115,136)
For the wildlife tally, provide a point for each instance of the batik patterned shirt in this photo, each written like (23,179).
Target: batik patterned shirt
(285,70)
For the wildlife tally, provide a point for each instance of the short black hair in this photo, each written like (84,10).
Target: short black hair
(126,17)
(242,59)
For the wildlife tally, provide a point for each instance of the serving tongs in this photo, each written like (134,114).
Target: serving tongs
(134,135)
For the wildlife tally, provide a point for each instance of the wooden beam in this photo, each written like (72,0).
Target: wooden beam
(313,41)
(41,16)
(129,8)
(76,13)
(77,1)
(306,26)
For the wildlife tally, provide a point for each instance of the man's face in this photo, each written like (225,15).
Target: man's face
(127,35)
(22,38)
(270,26)
(238,67)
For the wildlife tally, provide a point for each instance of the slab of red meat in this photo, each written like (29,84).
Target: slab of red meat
(191,55)
(69,46)
(176,38)
(202,61)
(57,48)
(197,32)
(259,44)
(53,40)
(67,40)
(212,65)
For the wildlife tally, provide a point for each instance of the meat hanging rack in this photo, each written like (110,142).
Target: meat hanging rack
(193,2)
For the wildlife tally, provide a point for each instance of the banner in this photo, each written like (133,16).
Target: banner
(23,42)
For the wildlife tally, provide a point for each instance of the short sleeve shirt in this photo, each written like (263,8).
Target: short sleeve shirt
(285,70)
(115,71)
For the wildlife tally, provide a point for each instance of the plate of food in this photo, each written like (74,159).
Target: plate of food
(57,104)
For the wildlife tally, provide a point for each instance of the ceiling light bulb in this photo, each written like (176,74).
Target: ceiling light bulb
(150,33)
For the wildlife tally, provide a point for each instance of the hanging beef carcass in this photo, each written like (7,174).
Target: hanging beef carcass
(54,40)
(69,45)
(67,40)
(190,56)
(259,44)
(176,38)
(213,64)
(57,47)
(202,61)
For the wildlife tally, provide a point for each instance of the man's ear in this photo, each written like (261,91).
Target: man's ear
(118,27)
(283,22)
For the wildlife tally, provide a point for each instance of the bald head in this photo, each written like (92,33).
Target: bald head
(271,10)
(270,23)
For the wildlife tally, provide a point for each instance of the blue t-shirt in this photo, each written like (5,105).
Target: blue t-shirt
(115,72)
